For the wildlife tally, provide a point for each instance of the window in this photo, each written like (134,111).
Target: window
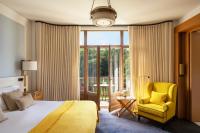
(92,70)
(82,69)
(81,38)
(126,62)
(126,41)
(107,61)
(103,37)
(115,69)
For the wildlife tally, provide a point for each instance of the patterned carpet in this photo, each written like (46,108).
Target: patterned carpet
(110,123)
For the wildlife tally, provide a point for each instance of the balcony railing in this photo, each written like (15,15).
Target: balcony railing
(104,85)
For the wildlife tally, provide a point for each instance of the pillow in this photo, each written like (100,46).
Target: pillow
(2,116)
(2,103)
(4,90)
(24,101)
(158,98)
(9,89)
(10,98)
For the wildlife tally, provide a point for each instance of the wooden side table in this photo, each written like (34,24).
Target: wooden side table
(37,95)
(126,104)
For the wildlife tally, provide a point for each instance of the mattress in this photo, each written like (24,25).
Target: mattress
(24,121)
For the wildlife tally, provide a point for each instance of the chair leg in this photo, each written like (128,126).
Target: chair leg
(138,118)
(163,126)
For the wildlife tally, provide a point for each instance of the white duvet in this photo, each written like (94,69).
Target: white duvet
(24,121)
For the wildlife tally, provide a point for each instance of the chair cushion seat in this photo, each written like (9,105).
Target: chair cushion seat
(153,109)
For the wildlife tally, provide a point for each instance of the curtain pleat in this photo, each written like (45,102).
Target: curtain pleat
(151,54)
(57,49)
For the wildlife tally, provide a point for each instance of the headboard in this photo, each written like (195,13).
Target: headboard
(12,81)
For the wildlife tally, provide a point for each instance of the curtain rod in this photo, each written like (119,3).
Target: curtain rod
(112,26)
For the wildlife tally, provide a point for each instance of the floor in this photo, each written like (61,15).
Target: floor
(110,123)
(104,104)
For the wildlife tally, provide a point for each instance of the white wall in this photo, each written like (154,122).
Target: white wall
(4,10)
(13,15)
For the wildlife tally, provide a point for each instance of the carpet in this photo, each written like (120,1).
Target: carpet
(110,123)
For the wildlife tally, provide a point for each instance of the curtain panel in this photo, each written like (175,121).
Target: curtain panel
(151,54)
(57,51)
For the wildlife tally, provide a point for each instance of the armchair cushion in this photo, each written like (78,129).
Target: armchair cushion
(144,100)
(154,109)
(158,98)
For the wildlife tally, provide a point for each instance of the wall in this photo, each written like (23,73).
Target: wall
(12,49)
(195,75)
(12,41)
(189,15)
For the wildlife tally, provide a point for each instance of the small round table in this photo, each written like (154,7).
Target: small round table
(126,104)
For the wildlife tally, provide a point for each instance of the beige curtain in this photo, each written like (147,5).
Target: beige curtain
(57,49)
(151,54)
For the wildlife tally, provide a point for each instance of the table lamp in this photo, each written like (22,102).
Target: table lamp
(27,65)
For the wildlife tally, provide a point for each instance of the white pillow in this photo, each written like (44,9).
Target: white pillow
(2,103)
(4,90)
(2,116)
(9,89)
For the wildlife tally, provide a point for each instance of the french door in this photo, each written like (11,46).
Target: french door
(102,70)
(102,79)
(93,74)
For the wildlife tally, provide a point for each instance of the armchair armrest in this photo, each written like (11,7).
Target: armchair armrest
(144,100)
(167,105)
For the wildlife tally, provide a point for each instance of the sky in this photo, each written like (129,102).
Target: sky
(103,37)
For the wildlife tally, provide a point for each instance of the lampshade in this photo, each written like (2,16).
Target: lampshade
(29,65)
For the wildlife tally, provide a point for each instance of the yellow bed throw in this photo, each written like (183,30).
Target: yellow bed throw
(70,117)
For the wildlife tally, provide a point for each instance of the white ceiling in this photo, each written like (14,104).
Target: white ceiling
(77,11)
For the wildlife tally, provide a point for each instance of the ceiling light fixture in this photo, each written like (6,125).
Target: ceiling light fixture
(103,16)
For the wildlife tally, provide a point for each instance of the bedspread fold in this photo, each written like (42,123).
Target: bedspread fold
(70,117)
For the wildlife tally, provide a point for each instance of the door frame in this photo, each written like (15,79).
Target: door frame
(182,56)
(121,69)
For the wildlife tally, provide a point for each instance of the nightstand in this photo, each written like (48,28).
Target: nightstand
(37,95)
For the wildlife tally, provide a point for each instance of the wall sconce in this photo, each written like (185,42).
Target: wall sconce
(181,69)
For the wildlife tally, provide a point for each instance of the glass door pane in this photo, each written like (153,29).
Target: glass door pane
(92,70)
(114,78)
(104,76)
(114,69)
(81,73)
(126,63)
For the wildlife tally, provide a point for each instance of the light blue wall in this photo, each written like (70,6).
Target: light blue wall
(12,47)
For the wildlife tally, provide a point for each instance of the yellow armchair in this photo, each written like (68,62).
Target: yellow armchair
(163,111)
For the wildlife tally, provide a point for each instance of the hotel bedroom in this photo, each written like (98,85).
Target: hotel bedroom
(99,66)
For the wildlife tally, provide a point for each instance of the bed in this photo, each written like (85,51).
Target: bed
(81,117)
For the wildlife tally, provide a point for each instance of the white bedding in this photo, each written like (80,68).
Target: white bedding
(24,121)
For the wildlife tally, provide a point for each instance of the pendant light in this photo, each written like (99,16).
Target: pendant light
(103,16)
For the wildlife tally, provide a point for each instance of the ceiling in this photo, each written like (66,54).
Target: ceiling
(77,11)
